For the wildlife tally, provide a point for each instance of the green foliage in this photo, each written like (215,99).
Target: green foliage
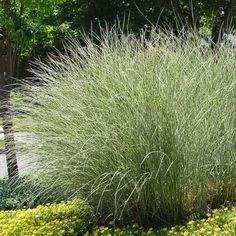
(1,143)
(143,129)
(26,24)
(25,193)
(10,197)
(82,14)
(35,27)
(71,218)
(8,200)
(39,25)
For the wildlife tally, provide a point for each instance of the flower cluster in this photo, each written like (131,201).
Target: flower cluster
(52,219)
(219,222)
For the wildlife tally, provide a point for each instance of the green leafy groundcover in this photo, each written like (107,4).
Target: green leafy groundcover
(219,222)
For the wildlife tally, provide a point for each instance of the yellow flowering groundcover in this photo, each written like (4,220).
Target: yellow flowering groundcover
(69,218)
(72,218)
(219,223)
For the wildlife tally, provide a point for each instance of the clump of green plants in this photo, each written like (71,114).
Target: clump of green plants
(144,129)
(8,198)
(71,218)
(27,192)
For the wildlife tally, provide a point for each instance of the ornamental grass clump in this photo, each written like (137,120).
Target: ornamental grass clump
(144,129)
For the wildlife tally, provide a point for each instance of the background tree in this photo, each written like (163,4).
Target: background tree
(20,24)
(175,14)
(7,63)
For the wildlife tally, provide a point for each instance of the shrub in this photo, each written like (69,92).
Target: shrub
(26,192)
(70,218)
(142,128)
(8,198)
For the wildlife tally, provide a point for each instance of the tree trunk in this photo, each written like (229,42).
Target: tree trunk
(12,167)
(7,67)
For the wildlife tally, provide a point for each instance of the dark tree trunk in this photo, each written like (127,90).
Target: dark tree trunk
(12,167)
(221,26)
(7,67)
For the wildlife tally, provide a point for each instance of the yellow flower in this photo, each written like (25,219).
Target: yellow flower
(190,222)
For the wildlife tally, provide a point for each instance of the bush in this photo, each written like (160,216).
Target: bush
(26,192)
(70,218)
(142,128)
(220,222)
(8,198)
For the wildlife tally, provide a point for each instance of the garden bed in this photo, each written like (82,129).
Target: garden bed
(69,218)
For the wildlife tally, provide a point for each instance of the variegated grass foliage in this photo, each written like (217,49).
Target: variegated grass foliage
(142,128)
